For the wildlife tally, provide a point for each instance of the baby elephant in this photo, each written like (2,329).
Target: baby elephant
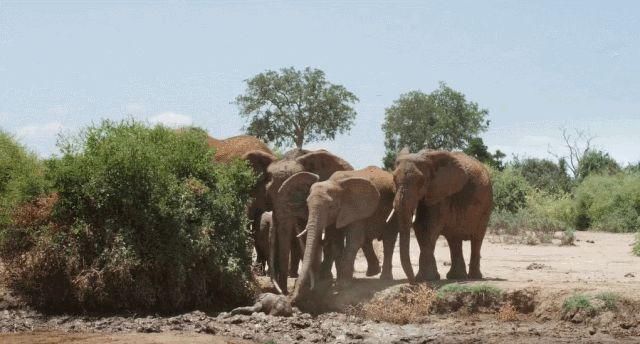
(268,303)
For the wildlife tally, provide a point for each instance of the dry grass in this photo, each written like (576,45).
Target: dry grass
(507,313)
(411,305)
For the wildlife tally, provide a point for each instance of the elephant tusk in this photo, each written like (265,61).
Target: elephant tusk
(275,284)
(390,214)
(302,233)
(413,219)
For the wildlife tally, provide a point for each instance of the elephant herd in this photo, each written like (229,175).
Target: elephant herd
(313,207)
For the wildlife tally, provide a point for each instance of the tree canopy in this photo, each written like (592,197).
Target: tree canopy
(477,149)
(597,162)
(295,107)
(442,119)
(544,174)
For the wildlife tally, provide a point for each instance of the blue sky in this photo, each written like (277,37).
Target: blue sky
(536,65)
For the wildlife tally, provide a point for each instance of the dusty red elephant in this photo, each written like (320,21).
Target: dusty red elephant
(450,194)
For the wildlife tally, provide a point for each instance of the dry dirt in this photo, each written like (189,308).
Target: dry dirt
(547,274)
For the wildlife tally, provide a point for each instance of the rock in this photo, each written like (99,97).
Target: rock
(630,275)
(353,335)
(626,325)
(577,318)
(591,241)
(149,329)
(210,329)
(592,331)
(536,266)
(237,320)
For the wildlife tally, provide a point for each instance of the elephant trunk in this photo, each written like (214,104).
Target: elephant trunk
(404,212)
(315,227)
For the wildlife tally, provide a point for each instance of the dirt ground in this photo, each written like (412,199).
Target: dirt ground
(546,274)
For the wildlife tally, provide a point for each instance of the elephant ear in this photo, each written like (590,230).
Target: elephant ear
(448,175)
(293,193)
(359,200)
(259,160)
(323,163)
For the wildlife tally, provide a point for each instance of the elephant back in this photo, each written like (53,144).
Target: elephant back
(235,147)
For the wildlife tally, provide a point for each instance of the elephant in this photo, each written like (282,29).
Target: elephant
(450,194)
(259,156)
(356,204)
(289,213)
(262,236)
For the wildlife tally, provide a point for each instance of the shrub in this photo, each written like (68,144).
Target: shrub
(636,245)
(544,175)
(578,302)
(609,299)
(143,220)
(411,305)
(21,176)
(543,215)
(510,190)
(597,162)
(608,203)
(483,290)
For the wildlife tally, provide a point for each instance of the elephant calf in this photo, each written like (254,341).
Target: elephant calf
(268,303)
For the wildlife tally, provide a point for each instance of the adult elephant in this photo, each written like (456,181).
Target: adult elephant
(259,156)
(356,204)
(451,194)
(289,213)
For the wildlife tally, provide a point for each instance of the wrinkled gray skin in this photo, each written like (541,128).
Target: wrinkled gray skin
(356,204)
(288,216)
(268,303)
(262,237)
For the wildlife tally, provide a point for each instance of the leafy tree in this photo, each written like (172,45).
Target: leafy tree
(597,162)
(544,174)
(479,150)
(296,107)
(442,119)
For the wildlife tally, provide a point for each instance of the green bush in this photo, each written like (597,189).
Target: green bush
(608,203)
(510,190)
(544,175)
(142,219)
(578,302)
(21,176)
(636,245)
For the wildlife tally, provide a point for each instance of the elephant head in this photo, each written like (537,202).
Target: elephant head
(287,196)
(428,176)
(332,202)
(260,162)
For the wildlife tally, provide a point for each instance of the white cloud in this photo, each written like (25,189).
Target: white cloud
(44,131)
(171,119)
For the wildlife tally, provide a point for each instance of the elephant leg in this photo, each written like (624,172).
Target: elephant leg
(284,251)
(259,240)
(428,270)
(373,264)
(458,269)
(296,254)
(355,239)
(474,264)
(333,246)
(389,238)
